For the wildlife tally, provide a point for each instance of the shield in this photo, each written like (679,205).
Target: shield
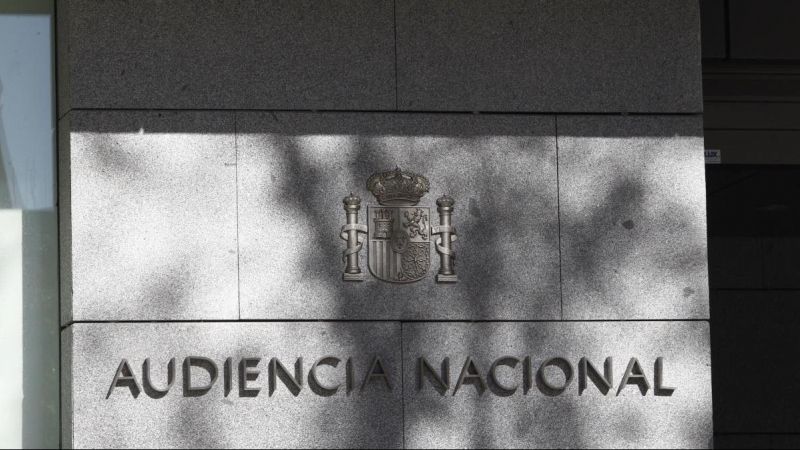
(399,242)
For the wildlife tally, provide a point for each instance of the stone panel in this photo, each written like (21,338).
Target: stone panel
(549,56)
(295,169)
(66,389)
(150,201)
(535,415)
(232,54)
(633,218)
(276,416)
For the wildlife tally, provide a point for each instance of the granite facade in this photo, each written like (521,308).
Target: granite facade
(528,403)
(554,55)
(148,204)
(240,54)
(295,169)
(204,155)
(338,396)
(633,218)
(268,412)
(517,56)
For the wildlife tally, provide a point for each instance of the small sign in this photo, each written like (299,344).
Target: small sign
(713,156)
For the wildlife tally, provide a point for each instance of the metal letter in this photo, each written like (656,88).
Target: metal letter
(471,372)
(294,384)
(527,374)
(350,233)
(228,376)
(565,366)
(504,361)
(587,370)
(205,363)
(383,374)
(120,377)
(244,376)
(443,381)
(151,390)
(661,390)
(448,235)
(351,375)
(312,374)
(635,375)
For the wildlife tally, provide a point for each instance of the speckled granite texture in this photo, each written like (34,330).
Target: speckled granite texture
(470,417)
(633,218)
(275,418)
(231,54)
(148,204)
(295,169)
(549,56)
(573,418)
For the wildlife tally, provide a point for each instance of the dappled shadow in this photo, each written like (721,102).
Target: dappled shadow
(633,219)
(148,243)
(294,170)
(292,181)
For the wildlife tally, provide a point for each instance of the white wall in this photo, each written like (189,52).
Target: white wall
(11,393)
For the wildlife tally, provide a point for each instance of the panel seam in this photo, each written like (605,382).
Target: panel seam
(396,79)
(238,242)
(430,321)
(558,211)
(408,111)
(403,379)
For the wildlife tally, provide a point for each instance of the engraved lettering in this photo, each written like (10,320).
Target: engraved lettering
(149,388)
(471,373)
(588,370)
(351,375)
(377,371)
(312,374)
(565,366)
(661,390)
(509,361)
(634,375)
(190,390)
(442,382)
(248,374)
(124,377)
(228,376)
(278,370)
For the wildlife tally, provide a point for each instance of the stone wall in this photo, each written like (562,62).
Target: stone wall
(205,150)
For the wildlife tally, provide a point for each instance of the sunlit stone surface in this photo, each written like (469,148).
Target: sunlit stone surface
(535,416)
(295,168)
(633,218)
(230,212)
(152,202)
(361,416)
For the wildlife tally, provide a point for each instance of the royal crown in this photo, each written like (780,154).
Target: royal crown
(445,201)
(352,200)
(398,188)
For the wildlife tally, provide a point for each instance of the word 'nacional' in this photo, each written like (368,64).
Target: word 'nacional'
(552,377)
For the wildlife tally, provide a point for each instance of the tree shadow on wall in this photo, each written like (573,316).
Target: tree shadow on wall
(626,201)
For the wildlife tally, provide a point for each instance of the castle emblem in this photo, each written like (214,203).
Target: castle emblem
(399,231)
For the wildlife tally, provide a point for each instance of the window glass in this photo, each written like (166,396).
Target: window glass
(29,320)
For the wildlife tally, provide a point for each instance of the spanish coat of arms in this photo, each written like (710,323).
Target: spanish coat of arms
(399,232)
